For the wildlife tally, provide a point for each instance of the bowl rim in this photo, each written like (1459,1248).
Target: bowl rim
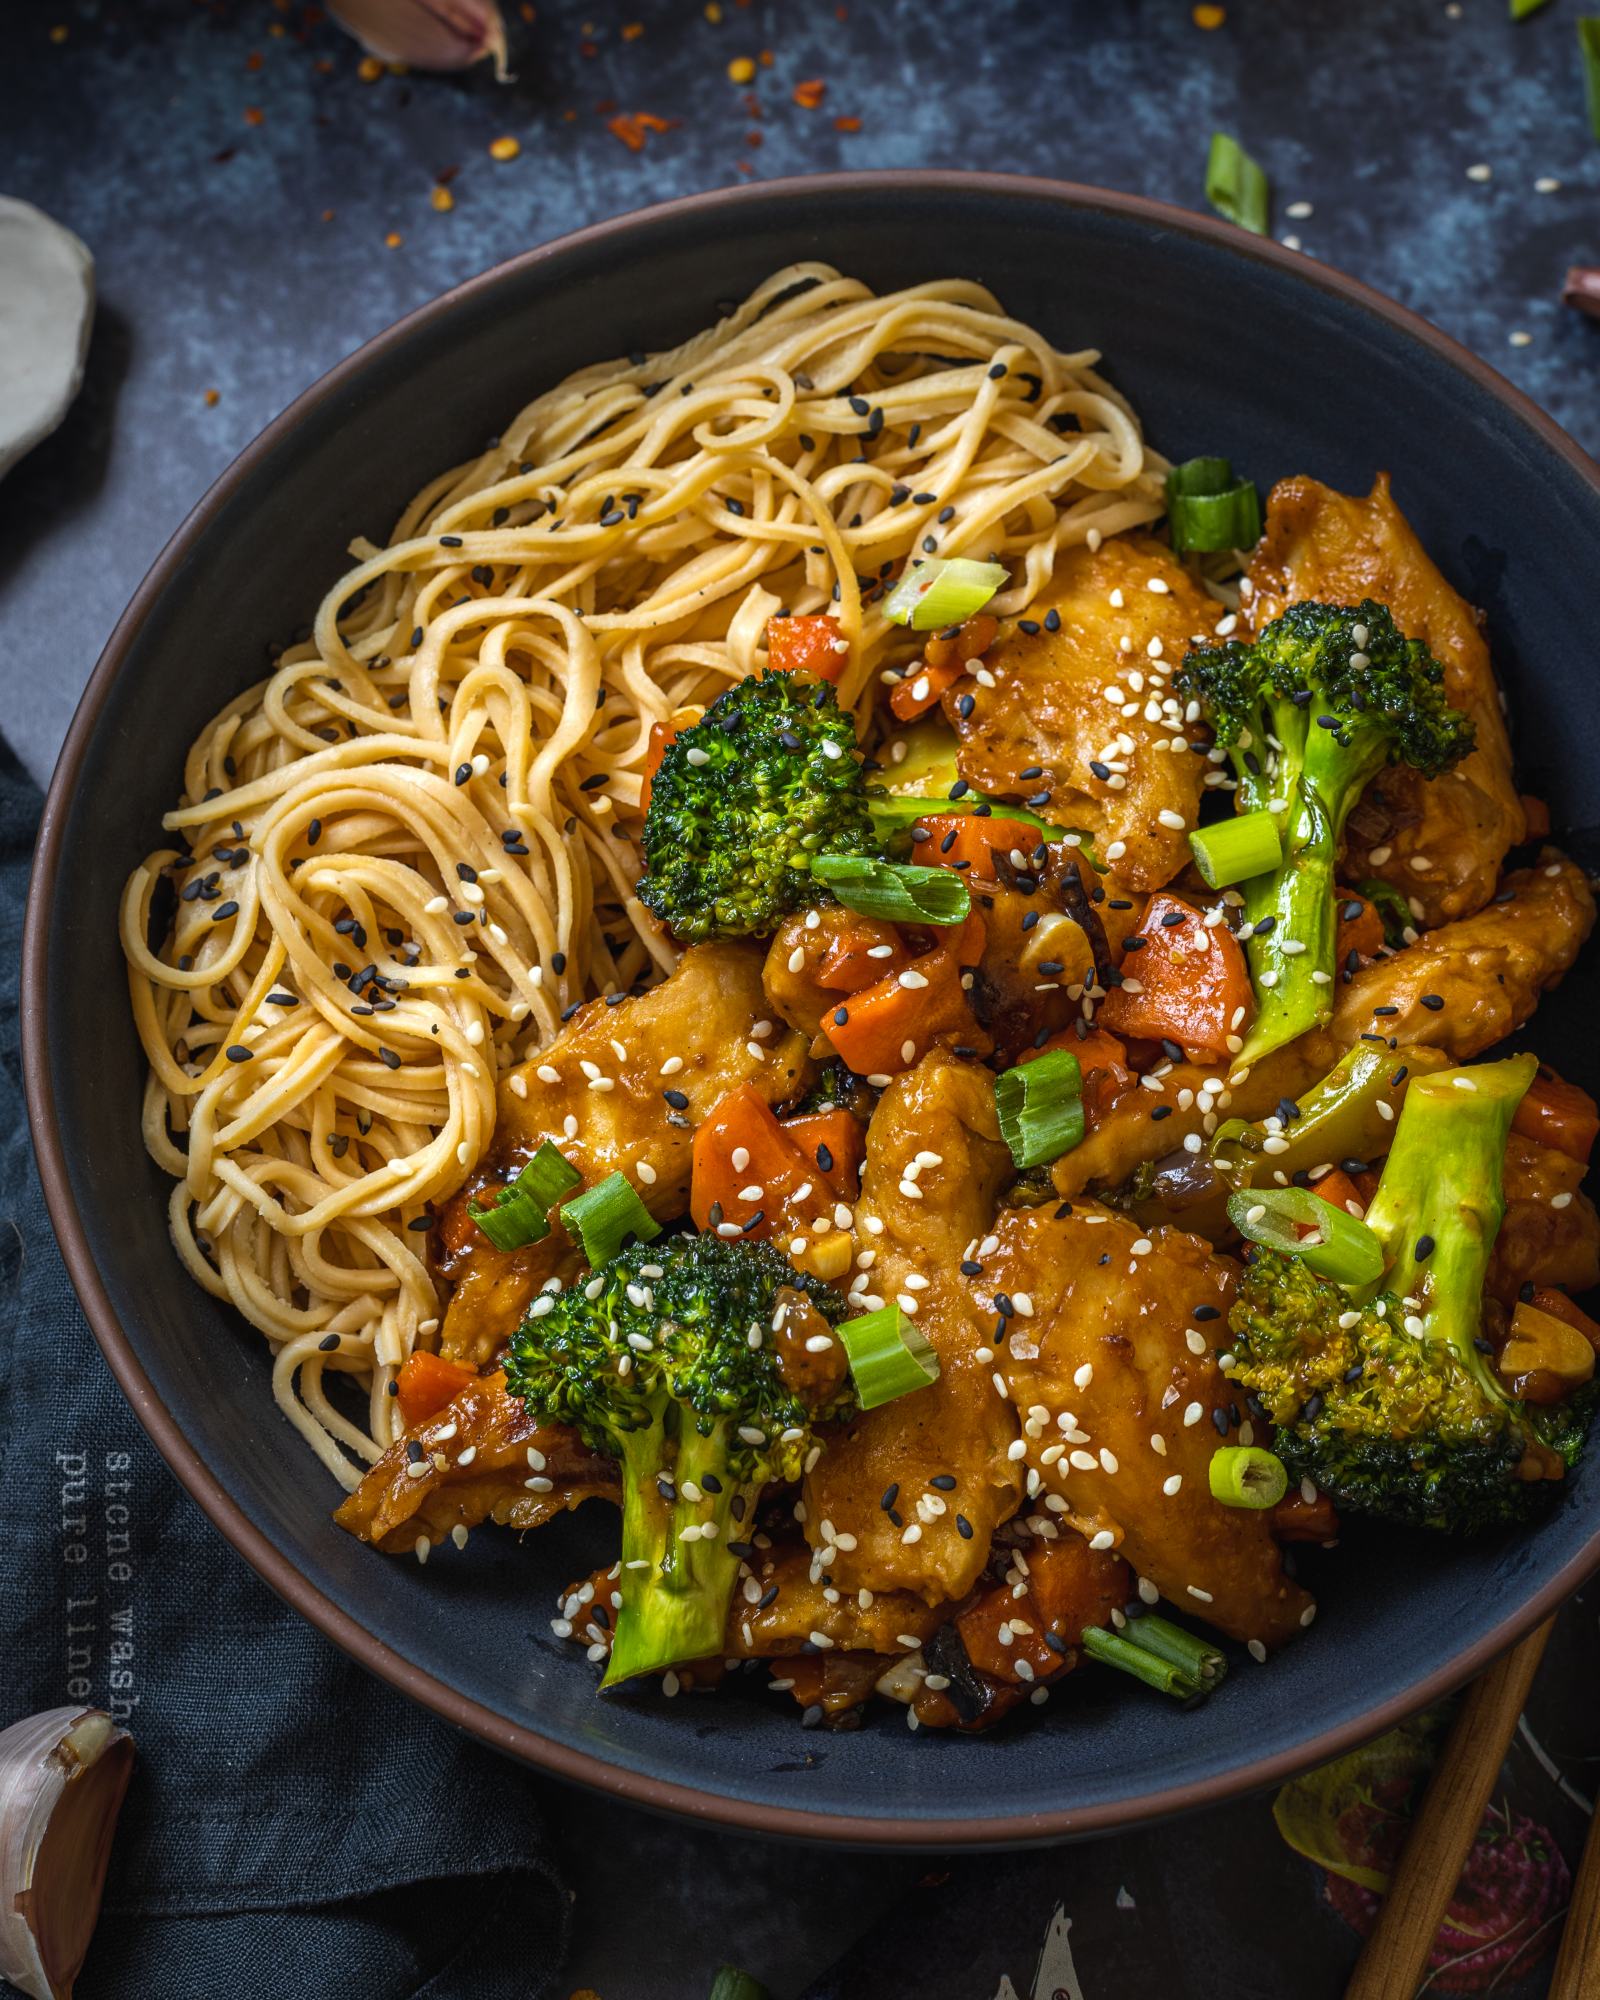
(272,1563)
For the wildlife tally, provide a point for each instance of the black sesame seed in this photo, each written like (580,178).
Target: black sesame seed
(676,1099)
(237,1052)
(964,1527)
(389,1058)
(328,1343)
(1432,1001)
(943,1482)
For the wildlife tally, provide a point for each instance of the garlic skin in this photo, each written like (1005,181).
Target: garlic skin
(427,34)
(62,1779)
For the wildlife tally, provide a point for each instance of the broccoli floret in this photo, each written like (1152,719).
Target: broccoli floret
(1391,1404)
(744,802)
(748,797)
(1309,712)
(665,1359)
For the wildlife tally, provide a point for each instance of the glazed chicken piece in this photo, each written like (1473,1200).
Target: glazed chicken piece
(1487,971)
(958,1430)
(710,1018)
(1114,1374)
(1049,709)
(1539,1243)
(801,1608)
(480,1453)
(1440,842)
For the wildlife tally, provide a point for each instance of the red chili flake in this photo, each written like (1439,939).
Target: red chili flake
(1582,289)
(605,106)
(809,95)
(446,175)
(754,139)
(323,65)
(588,49)
(632,30)
(744,167)
(253,60)
(631,127)
(847,124)
(221,159)
(253,114)
(751,103)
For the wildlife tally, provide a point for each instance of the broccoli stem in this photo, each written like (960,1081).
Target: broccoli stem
(1291,962)
(1441,1199)
(674,1606)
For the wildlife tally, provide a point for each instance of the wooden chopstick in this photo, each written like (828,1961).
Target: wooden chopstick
(1577,1973)
(1395,1957)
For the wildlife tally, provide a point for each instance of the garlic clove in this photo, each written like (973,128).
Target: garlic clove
(62,1779)
(427,34)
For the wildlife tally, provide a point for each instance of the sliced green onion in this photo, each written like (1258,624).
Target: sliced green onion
(605,1216)
(1243,1475)
(888,1357)
(1199,476)
(1521,9)
(1207,508)
(1336,1246)
(520,1212)
(1235,186)
(732,1984)
(1589,48)
(897,812)
(1039,1107)
(931,595)
(1160,1654)
(1238,849)
(889,889)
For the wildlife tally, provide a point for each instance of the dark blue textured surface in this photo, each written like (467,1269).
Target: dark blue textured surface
(222,274)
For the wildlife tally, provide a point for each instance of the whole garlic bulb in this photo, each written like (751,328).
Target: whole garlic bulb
(62,1779)
(427,34)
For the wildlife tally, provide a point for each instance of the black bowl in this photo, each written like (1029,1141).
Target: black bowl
(1226,344)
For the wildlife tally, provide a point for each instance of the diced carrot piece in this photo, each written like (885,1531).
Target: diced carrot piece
(1194,987)
(426,1382)
(810,645)
(834,1136)
(1558,1114)
(922,687)
(845,966)
(887,1028)
(970,641)
(965,940)
(1102,1065)
(661,734)
(944,661)
(1548,1300)
(1297,1519)
(1338,1188)
(1537,815)
(1362,933)
(970,841)
(778,1160)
